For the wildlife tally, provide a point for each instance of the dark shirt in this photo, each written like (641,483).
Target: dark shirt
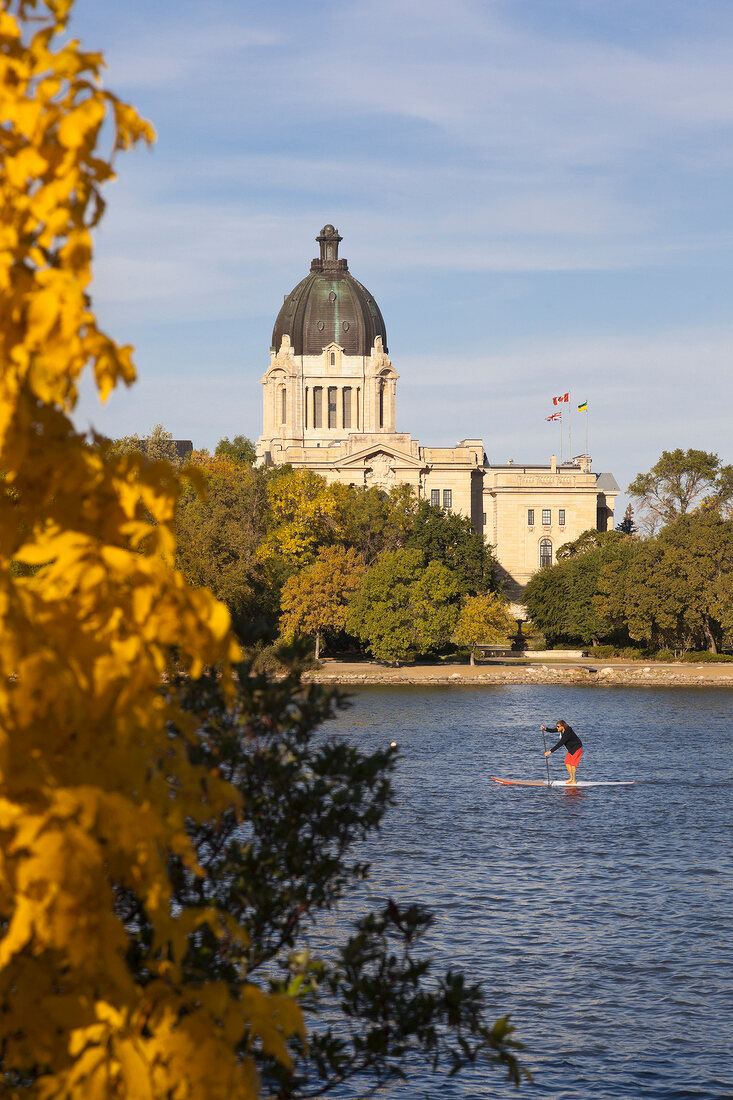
(570,739)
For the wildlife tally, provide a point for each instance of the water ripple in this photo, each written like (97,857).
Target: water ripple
(600,918)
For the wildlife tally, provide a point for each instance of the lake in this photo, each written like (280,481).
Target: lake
(601,918)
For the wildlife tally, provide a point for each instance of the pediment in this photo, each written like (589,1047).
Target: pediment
(379,454)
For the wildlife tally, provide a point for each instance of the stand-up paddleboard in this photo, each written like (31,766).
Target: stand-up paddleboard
(564,783)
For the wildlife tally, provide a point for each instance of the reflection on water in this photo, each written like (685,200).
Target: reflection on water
(601,918)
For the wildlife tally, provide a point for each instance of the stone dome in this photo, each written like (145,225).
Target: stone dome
(329,306)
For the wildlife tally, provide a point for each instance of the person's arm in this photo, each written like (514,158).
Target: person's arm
(560,742)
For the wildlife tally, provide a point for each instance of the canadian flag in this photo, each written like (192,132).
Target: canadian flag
(559,400)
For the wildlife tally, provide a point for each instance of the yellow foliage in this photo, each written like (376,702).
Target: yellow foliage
(87,769)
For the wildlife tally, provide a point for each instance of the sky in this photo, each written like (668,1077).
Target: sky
(538,193)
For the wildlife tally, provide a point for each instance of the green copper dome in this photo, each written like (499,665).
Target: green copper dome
(329,306)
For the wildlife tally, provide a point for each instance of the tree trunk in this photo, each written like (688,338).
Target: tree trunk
(318,645)
(712,647)
(473,650)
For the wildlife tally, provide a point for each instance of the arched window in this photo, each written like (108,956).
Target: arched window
(333,358)
(545,552)
(381,402)
(283,405)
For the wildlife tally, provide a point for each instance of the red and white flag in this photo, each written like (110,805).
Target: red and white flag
(559,400)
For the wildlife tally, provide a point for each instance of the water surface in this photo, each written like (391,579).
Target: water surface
(600,918)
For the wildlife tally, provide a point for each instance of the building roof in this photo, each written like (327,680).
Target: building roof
(606,483)
(329,306)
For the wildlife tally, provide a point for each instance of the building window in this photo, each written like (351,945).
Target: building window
(346,403)
(447,498)
(358,392)
(546,517)
(435,497)
(318,406)
(283,405)
(561,517)
(545,552)
(530,517)
(483,518)
(333,358)
(332,406)
(306,408)
(381,404)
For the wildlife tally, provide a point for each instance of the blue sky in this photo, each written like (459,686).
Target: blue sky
(537,192)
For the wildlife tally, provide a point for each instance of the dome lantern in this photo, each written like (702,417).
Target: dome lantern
(328,307)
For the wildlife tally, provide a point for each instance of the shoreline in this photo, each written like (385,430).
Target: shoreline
(584,671)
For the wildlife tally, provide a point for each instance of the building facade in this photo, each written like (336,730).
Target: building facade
(329,405)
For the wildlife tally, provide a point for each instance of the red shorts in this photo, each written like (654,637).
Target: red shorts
(574,760)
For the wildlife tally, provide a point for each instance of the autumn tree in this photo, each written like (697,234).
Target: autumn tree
(314,601)
(483,619)
(302,519)
(678,482)
(220,524)
(404,607)
(88,633)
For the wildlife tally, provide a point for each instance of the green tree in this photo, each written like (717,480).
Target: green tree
(279,866)
(561,600)
(673,591)
(627,525)
(678,482)
(404,607)
(483,619)
(239,450)
(448,538)
(157,445)
(314,601)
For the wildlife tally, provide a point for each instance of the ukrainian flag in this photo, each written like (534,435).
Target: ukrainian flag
(583,408)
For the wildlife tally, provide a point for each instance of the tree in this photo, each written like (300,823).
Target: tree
(562,599)
(627,525)
(448,538)
(483,619)
(239,450)
(678,482)
(157,445)
(88,632)
(314,601)
(303,518)
(280,865)
(403,607)
(220,525)
(673,591)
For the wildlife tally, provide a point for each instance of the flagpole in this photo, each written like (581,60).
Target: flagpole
(570,430)
(561,437)
(587,451)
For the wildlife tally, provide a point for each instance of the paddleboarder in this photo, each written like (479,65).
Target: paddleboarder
(572,743)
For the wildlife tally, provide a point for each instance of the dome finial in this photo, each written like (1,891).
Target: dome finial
(329,240)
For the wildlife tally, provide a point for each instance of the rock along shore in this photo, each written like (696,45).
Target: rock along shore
(613,673)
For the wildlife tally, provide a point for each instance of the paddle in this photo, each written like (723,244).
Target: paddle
(547,763)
